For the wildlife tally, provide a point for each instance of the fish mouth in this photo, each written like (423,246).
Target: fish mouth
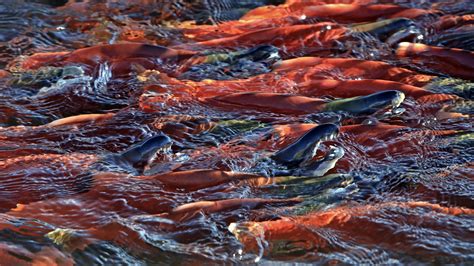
(274,55)
(149,148)
(398,99)
(335,153)
(393,107)
(411,34)
(368,104)
(305,148)
(136,158)
(321,167)
(260,53)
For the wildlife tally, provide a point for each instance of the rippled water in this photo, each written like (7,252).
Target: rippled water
(116,186)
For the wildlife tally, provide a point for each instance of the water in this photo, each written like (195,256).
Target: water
(400,194)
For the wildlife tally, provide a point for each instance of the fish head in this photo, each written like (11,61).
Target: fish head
(321,167)
(306,146)
(143,153)
(261,53)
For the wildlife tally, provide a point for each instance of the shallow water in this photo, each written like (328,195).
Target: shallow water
(400,194)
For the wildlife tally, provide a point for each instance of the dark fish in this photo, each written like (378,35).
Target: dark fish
(266,53)
(462,38)
(459,87)
(305,147)
(138,156)
(382,30)
(367,104)
(234,65)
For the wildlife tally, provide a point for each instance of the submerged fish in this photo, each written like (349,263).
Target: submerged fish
(27,179)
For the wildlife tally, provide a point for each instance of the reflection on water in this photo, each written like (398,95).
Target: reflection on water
(308,131)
